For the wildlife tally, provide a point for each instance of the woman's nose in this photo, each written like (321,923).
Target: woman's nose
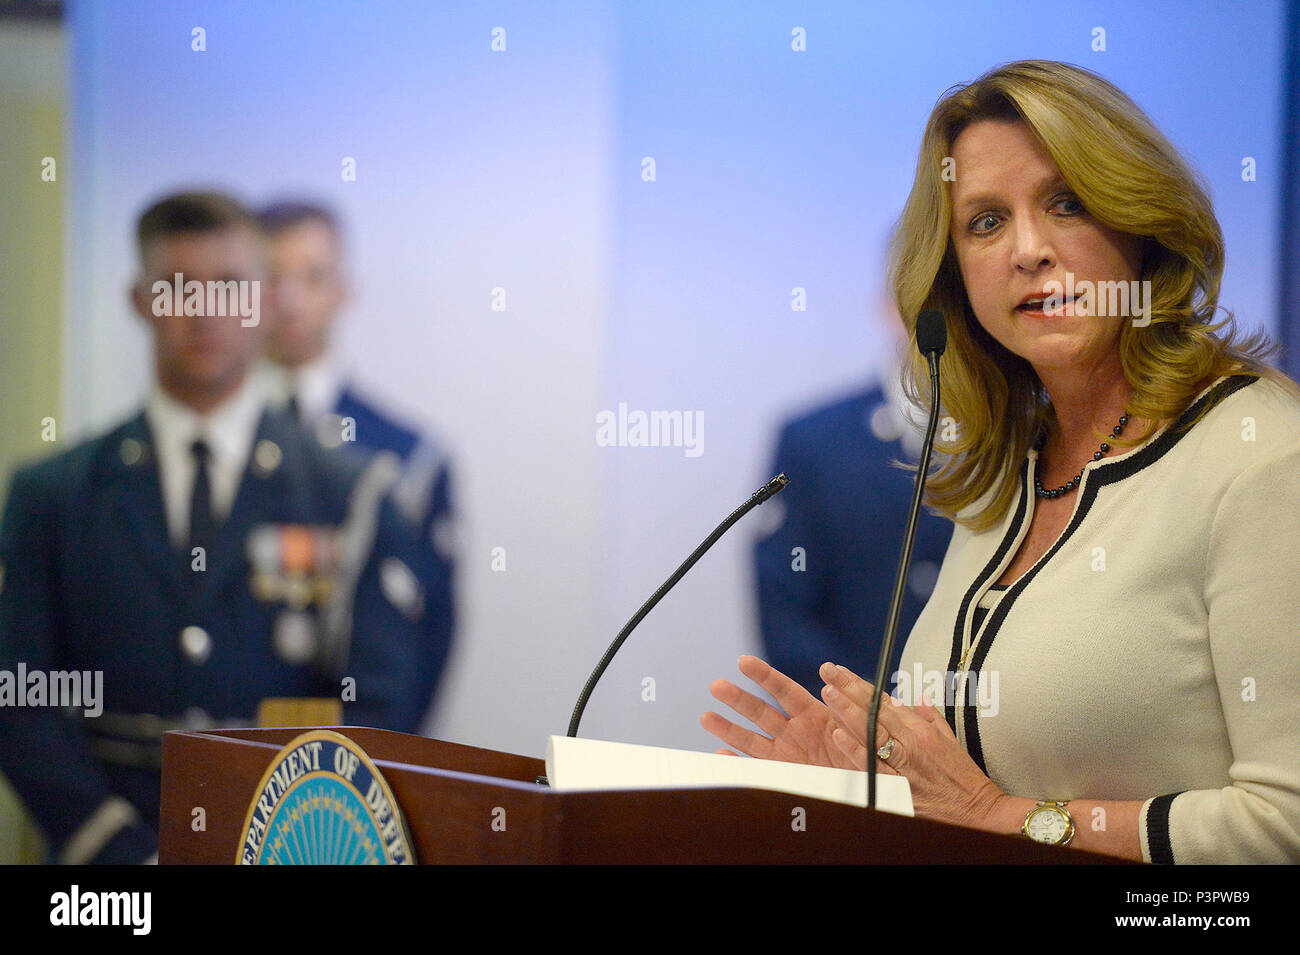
(1031,247)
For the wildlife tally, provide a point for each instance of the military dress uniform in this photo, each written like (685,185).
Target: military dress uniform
(340,417)
(303,589)
(846,509)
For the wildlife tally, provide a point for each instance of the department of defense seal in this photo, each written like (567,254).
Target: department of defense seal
(323,802)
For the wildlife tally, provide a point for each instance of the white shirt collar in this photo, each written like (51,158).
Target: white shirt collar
(228,430)
(898,419)
(317,385)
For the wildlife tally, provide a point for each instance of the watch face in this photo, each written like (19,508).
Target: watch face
(1047,825)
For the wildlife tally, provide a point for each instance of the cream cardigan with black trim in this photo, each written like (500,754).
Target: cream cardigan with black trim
(1153,652)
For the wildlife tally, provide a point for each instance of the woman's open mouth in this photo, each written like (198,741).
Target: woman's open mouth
(1049,307)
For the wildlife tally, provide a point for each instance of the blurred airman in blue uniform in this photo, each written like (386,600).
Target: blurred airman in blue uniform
(825,568)
(307,375)
(203,556)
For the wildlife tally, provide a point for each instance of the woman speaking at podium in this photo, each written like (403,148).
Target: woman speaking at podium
(1111,656)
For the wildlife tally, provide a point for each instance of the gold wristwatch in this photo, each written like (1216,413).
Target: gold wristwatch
(1049,823)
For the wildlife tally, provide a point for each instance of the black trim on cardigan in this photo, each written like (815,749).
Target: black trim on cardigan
(970,714)
(1109,474)
(1162,851)
(1098,478)
(954,659)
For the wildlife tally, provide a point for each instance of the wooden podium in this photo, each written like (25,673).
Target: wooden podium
(452,794)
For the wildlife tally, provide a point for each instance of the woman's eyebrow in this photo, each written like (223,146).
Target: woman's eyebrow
(1049,185)
(980,200)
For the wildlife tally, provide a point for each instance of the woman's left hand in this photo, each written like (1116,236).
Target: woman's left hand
(946,783)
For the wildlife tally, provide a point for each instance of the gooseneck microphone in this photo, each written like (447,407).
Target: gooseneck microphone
(931,339)
(769,489)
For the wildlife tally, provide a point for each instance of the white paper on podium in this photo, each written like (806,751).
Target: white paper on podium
(588,764)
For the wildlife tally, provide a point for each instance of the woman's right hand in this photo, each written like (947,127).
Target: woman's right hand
(800,734)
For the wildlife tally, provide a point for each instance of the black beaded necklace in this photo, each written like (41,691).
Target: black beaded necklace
(1071,484)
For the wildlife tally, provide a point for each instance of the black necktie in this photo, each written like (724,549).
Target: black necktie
(201,499)
(294,408)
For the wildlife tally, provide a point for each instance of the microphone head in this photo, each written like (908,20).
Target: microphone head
(931,332)
(772,488)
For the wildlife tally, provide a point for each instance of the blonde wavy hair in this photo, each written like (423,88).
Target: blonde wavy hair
(1127,176)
